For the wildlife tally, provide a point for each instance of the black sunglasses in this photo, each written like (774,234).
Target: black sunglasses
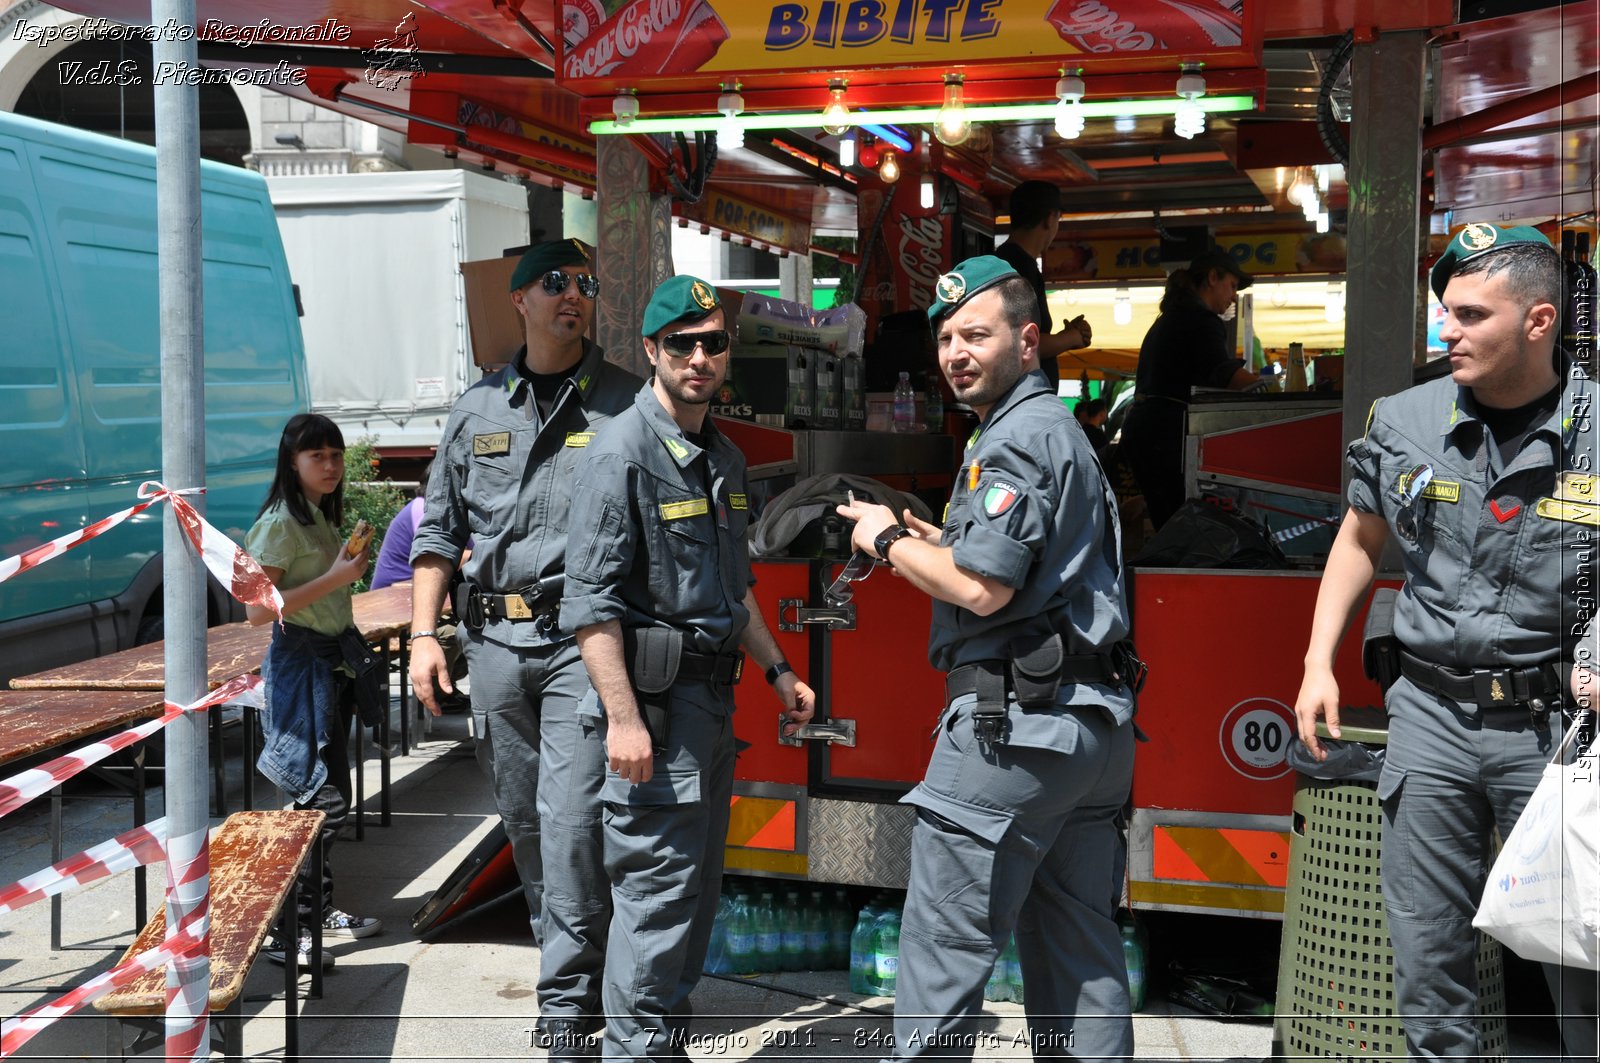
(858,568)
(555,282)
(1408,491)
(682,344)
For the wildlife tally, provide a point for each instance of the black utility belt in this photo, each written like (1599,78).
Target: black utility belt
(1537,687)
(535,603)
(722,669)
(974,677)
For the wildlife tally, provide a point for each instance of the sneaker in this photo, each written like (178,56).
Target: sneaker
(275,951)
(344,925)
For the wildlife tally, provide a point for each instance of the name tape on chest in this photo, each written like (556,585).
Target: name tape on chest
(1571,512)
(492,443)
(1442,491)
(579,439)
(694,507)
(737,501)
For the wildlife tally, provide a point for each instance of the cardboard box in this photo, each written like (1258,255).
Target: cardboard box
(496,327)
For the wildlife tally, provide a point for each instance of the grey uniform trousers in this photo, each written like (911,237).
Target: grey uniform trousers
(1451,775)
(1023,836)
(664,850)
(547,769)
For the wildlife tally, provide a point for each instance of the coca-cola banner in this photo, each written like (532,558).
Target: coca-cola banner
(1263,253)
(908,253)
(611,44)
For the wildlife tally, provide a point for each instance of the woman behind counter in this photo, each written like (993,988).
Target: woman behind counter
(1187,347)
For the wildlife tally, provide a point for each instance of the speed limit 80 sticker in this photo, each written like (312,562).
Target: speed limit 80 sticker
(1255,737)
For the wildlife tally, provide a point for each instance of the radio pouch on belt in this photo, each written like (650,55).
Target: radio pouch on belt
(653,657)
(1036,669)
(1380,650)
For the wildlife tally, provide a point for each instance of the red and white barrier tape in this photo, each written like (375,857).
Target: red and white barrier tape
(128,850)
(233,568)
(14,1033)
(189,912)
(25,786)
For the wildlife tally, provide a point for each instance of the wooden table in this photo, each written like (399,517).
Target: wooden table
(231,650)
(35,722)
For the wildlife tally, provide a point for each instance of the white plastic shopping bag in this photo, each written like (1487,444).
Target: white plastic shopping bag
(1542,899)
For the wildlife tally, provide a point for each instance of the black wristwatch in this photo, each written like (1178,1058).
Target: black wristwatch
(778,671)
(887,538)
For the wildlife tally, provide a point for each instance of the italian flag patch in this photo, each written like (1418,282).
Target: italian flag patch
(1000,497)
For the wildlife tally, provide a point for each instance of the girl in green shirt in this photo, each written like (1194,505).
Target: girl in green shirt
(316,657)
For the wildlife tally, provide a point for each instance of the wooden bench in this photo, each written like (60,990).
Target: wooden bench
(256,858)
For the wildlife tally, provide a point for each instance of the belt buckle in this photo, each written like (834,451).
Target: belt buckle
(516,607)
(1491,688)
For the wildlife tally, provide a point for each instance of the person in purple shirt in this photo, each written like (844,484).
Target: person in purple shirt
(394,556)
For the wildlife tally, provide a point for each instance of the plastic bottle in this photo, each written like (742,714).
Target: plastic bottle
(798,411)
(741,935)
(886,953)
(718,960)
(792,933)
(861,966)
(1133,956)
(839,931)
(855,395)
(933,409)
(814,917)
(1296,367)
(1013,967)
(769,938)
(905,405)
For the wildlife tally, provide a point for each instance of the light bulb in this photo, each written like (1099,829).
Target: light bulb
(1322,221)
(847,150)
(953,127)
(1069,107)
(625,108)
(1310,205)
(889,168)
(1122,307)
(835,116)
(1125,123)
(925,192)
(1189,118)
(730,134)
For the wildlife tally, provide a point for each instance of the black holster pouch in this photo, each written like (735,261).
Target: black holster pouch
(989,712)
(1380,649)
(654,654)
(1036,662)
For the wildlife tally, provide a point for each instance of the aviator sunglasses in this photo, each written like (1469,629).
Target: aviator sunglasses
(555,282)
(682,344)
(1408,492)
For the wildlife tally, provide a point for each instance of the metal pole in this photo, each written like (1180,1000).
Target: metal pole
(183,466)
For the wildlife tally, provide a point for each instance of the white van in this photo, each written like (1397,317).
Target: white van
(80,380)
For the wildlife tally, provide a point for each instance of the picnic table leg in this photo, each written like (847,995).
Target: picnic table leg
(361,780)
(384,755)
(405,703)
(250,724)
(320,857)
(140,890)
(218,764)
(55,857)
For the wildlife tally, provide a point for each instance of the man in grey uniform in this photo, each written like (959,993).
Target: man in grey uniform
(659,594)
(1019,814)
(503,478)
(1487,480)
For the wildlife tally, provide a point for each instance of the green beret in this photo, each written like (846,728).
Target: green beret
(542,258)
(966,280)
(682,298)
(1477,239)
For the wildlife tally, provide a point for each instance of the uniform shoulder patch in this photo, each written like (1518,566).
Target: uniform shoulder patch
(1000,496)
(738,501)
(490,444)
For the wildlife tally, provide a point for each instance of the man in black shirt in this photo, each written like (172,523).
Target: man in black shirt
(1035,218)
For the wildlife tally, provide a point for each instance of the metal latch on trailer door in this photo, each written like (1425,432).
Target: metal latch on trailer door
(794,615)
(842,732)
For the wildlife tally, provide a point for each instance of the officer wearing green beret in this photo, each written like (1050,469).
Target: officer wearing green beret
(502,480)
(1019,814)
(1486,478)
(659,595)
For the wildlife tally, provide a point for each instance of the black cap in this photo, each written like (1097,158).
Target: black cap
(1218,259)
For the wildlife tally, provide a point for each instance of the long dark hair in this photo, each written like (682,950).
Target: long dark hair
(305,431)
(1183,287)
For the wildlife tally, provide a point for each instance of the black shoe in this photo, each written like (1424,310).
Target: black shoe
(276,953)
(566,1041)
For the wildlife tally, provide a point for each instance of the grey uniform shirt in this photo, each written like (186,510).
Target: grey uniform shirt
(658,531)
(1501,569)
(503,478)
(1032,509)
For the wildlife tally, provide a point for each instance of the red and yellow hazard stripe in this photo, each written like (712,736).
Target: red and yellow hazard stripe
(763,836)
(1215,867)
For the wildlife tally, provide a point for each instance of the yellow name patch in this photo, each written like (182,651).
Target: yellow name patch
(491,444)
(1442,491)
(694,507)
(1571,512)
(579,439)
(738,501)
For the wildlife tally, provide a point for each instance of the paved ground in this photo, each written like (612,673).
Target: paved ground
(469,994)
